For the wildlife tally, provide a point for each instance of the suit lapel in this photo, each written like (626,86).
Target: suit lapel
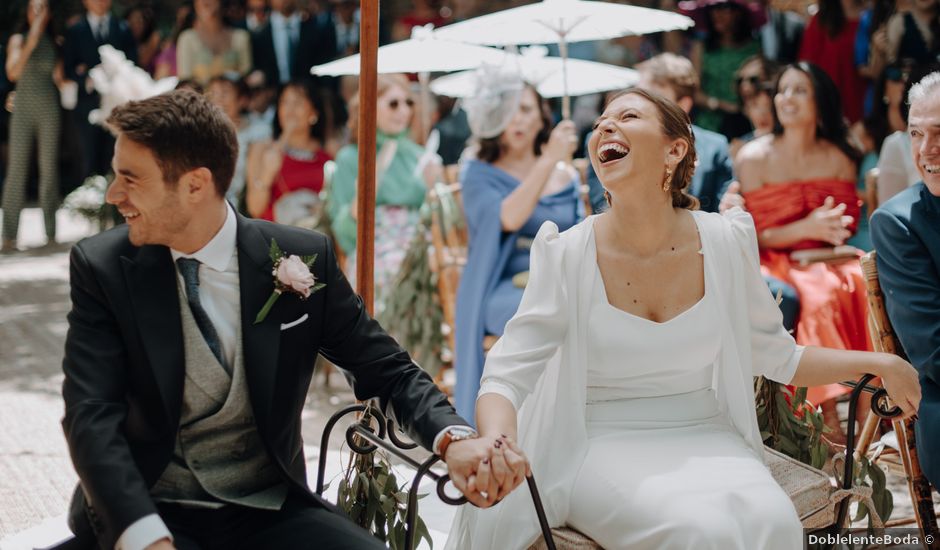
(260,342)
(151,281)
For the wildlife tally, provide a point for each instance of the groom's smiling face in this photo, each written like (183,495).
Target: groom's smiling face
(154,210)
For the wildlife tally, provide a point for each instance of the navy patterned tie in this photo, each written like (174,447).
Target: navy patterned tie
(189,268)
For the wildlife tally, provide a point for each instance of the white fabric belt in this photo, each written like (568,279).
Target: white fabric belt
(686,407)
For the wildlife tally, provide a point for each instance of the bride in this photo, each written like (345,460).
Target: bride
(631,360)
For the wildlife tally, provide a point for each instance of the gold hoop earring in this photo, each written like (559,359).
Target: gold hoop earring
(667,181)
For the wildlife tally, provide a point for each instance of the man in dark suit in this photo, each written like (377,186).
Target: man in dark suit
(781,35)
(80,54)
(906,234)
(183,401)
(290,43)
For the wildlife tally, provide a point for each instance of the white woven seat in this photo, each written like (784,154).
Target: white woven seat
(807,487)
(810,490)
(567,538)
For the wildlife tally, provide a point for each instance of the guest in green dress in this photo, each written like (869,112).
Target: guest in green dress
(727,40)
(400,186)
(33,61)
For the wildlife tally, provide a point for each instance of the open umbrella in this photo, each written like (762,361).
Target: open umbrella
(424,53)
(545,73)
(561,22)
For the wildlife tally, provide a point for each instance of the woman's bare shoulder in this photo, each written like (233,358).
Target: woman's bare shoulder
(758,149)
(750,164)
(841,165)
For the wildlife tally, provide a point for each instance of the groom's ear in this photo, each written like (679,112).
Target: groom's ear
(197,185)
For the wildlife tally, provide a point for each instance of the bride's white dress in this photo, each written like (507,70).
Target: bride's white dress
(642,435)
(664,467)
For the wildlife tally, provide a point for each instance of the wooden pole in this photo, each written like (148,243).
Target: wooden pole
(368,71)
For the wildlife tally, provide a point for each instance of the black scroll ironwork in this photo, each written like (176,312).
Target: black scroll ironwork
(364,438)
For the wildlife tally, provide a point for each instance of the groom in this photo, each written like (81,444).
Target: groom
(182,410)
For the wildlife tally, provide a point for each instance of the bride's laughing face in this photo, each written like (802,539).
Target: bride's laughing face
(628,141)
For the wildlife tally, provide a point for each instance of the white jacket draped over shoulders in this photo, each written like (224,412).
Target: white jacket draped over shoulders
(540,364)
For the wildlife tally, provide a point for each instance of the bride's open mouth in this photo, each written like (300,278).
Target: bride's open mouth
(611,152)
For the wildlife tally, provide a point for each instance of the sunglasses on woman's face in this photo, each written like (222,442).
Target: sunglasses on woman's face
(396,103)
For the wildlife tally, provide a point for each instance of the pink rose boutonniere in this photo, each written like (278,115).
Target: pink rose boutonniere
(291,274)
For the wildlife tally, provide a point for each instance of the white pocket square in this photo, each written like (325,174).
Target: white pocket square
(292,324)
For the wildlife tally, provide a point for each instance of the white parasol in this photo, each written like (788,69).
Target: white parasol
(545,73)
(562,22)
(424,53)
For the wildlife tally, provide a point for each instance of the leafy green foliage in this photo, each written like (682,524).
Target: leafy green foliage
(372,496)
(789,424)
(870,475)
(275,252)
(413,315)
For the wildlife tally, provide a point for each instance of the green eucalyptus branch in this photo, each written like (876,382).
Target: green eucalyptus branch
(373,498)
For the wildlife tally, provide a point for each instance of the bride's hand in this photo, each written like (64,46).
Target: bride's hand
(731,198)
(901,381)
(505,470)
(464,459)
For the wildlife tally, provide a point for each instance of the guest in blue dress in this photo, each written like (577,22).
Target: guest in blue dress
(518,180)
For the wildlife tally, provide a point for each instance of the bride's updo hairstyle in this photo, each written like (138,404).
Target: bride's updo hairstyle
(675,124)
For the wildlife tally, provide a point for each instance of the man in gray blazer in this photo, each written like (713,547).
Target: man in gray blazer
(906,234)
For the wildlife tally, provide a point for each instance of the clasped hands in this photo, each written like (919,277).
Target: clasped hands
(486,469)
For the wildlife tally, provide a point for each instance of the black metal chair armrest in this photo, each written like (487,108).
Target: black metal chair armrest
(879,406)
(363,430)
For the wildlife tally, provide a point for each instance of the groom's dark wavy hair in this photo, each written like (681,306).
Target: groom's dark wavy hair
(184,131)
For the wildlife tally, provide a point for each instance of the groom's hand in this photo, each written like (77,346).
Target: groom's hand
(463,458)
(506,468)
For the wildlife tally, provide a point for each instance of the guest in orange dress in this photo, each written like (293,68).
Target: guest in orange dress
(799,185)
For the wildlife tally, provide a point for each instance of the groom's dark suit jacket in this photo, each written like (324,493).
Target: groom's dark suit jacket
(124,366)
(906,233)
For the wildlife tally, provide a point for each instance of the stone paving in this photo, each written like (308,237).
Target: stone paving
(36,475)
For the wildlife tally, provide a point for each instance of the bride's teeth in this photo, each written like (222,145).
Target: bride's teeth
(932,168)
(611,147)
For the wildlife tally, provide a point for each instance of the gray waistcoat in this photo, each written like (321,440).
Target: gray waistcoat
(218,457)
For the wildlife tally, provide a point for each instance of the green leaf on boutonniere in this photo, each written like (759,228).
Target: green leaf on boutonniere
(267,306)
(317,287)
(308,260)
(275,252)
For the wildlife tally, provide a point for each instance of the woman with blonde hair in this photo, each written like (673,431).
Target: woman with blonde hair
(627,371)
(400,184)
